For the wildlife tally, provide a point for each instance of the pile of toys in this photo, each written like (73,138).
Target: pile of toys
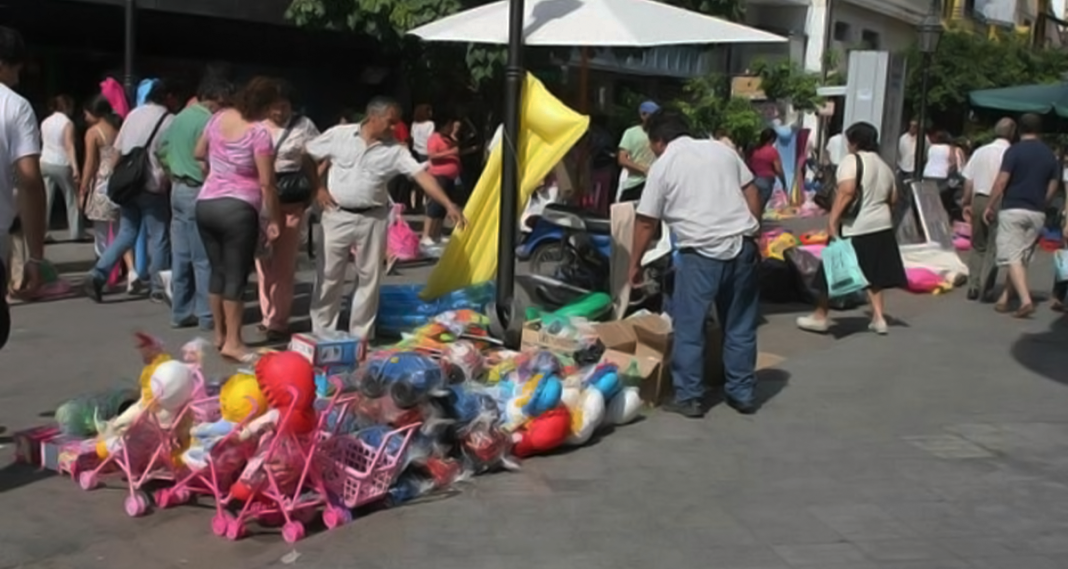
(312,432)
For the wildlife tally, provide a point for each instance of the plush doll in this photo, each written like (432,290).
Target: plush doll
(624,407)
(543,434)
(605,378)
(170,389)
(152,355)
(239,400)
(587,410)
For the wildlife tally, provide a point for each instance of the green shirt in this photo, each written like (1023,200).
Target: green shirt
(180,140)
(636,143)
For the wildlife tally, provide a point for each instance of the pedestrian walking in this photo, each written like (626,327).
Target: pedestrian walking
(100,157)
(980,173)
(705,193)
(635,156)
(766,165)
(1029,178)
(422,130)
(446,166)
(190,267)
(59,163)
(290,133)
(355,211)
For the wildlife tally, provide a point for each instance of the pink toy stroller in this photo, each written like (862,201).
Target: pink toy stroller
(285,487)
(148,452)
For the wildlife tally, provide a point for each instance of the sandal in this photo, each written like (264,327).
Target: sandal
(1057,306)
(1001,308)
(1024,311)
(246,359)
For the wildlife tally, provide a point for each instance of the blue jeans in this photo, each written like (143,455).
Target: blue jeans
(765,187)
(154,211)
(731,288)
(190,269)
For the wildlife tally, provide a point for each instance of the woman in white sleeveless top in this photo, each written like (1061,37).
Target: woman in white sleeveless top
(100,155)
(941,166)
(59,162)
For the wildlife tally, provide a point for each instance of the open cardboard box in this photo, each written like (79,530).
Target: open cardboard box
(643,342)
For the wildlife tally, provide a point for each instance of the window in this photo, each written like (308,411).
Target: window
(869,39)
(841,32)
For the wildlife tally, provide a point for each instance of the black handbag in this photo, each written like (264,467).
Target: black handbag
(827,193)
(293,187)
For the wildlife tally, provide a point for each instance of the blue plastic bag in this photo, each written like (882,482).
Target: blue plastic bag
(842,270)
(1060,265)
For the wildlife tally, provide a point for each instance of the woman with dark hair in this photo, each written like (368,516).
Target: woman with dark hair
(59,162)
(237,153)
(100,156)
(277,273)
(766,165)
(864,176)
(445,165)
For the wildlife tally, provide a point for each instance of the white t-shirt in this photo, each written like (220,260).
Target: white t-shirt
(877,186)
(985,165)
(421,132)
(135,132)
(53,150)
(19,138)
(837,149)
(937,166)
(696,187)
(906,153)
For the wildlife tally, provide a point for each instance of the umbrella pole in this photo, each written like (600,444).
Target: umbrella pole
(513,92)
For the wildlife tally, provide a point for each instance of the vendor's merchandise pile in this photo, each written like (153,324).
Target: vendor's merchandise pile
(312,433)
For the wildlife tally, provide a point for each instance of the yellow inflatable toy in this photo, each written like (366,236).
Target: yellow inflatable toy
(548,130)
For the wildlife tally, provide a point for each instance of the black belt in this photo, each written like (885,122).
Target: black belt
(360,210)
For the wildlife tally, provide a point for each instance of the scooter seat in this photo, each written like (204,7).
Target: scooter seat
(593,222)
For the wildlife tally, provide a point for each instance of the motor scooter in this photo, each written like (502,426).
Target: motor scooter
(570,251)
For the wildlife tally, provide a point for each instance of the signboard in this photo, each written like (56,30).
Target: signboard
(923,219)
(997,12)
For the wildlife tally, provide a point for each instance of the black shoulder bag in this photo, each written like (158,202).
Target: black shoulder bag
(131,173)
(827,193)
(293,187)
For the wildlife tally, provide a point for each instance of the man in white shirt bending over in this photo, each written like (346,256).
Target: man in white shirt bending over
(906,153)
(979,176)
(705,193)
(20,153)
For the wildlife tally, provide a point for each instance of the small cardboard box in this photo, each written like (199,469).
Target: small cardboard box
(77,456)
(51,449)
(536,337)
(327,349)
(28,443)
(643,344)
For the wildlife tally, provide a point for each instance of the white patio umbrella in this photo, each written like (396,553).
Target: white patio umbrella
(607,23)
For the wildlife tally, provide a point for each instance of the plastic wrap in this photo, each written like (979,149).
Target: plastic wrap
(400,309)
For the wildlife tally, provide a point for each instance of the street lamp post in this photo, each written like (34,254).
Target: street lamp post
(930,31)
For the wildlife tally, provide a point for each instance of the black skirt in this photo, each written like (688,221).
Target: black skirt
(879,259)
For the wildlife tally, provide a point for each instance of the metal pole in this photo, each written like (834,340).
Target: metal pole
(513,92)
(921,136)
(128,56)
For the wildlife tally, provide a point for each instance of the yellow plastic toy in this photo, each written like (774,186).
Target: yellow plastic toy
(239,399)
(778,246)
(549,130)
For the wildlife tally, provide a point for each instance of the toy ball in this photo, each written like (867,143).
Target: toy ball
(586,416)
(241,398)
(624,407)
(541,394)
(544,433)
(172,385)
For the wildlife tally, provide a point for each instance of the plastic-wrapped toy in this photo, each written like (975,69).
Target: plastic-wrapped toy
(605,378)
(587,410)
(543,434)
(624,407)
(541,362)
(170,389)
(408,376)
(464,361)
(239,400)
(541,394)
(81,416)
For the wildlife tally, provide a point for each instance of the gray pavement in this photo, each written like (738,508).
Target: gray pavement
(941,445)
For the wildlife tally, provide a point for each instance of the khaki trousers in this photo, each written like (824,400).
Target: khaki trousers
(342,231)
(982,269)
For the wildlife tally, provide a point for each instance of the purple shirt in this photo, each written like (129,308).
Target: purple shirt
(232,171)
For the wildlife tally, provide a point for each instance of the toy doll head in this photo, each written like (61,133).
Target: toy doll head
(282,375)
(241,397)
(172,385)
(193,352)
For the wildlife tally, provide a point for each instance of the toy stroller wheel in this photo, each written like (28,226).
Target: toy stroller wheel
(220,523)
(335,517)
(88,480)
(136,505)
(293,532)
(235,530)
(163,499)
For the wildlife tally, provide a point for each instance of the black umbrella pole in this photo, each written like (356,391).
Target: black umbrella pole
(513,91)
(128,53)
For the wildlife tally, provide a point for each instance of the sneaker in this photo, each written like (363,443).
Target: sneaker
(879,327)
(427,242)
(812,324)
(137,287)
(690,409)
(742,407)
(93,288)
(159,297)
(187,322)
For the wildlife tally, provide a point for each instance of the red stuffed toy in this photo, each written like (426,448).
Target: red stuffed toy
(545,433)
(288,380)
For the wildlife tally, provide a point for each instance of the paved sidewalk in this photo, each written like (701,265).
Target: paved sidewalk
(941,446)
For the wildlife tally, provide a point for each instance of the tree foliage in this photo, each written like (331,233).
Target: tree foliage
(966,61)
(787,81)
(710,108)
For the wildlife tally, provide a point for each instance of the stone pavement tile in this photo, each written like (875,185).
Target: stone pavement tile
(1015,562)
(860,521)
(978,547)
(699,555)
(819,554)
(903,550)
(939,519)
(784,525)
(928,564)
(949,446)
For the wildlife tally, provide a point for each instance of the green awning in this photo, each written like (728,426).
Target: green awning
(1041,99)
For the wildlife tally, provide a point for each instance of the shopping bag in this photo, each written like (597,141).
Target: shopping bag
(1060,265)
(842,270)
(401,242)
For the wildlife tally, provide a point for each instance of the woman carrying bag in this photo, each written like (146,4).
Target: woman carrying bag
(865,195)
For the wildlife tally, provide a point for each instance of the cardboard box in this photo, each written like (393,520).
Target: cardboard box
(28,443)
(327,349)
(77,456)
(641,345)
(51,449)
(536,337)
